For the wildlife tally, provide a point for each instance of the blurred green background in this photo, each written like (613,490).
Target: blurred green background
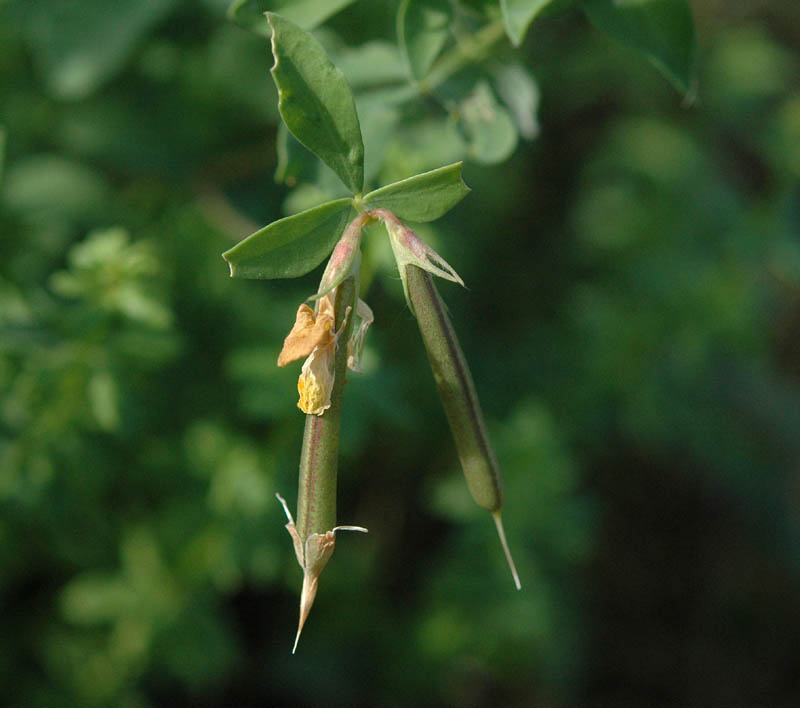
(632,319)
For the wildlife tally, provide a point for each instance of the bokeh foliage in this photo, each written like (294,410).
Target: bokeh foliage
(632,321)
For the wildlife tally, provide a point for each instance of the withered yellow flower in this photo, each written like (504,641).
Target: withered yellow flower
(316,380)
(310,330)
(313,336)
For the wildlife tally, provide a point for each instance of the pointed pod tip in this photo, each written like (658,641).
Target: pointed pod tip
(307,596)
(498,522)
(318,550)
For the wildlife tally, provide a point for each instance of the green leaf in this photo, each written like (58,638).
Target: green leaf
(490,131)
(295,163)
(662,29)
(421,145)
(298,168)
(51,187)
(379,125)
(374,64)
(422,28)
(518,15)
(520,93)
(306,196)
(307,14)
(423,197)
(316,102)
(79,46)
(290,247)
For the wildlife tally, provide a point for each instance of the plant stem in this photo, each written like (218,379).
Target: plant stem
(465,52)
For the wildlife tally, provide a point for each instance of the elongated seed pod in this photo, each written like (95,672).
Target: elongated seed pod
(460,401)
(457,391)
(316,493)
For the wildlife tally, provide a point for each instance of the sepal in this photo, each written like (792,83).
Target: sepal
(410,249)
(313,556)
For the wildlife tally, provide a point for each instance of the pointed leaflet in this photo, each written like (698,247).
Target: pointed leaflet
(290,247)
(249,14)
(424,197)
(662,29)
(316,102)
(422,29)
(518,14)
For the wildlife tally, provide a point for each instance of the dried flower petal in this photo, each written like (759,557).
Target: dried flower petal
(355,347)
(316,380)
(309,332)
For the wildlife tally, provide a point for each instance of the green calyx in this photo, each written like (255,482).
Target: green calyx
(410,250)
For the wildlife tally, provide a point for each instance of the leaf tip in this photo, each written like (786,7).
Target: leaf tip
(514,38)
(460,169)
(231,267)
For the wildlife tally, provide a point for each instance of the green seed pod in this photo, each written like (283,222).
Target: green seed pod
(460,401)
(316,493)
(314,534)
(457,391)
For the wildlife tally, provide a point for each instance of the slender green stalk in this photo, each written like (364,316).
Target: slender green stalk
(316,494)
(460,400)
(467,51)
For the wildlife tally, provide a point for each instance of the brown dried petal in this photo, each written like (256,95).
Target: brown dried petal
(308,332)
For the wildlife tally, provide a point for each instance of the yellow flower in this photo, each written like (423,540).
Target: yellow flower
(316,380)
(313,337)
(310,331)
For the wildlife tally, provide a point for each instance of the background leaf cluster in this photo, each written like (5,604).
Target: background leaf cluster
(632,322)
